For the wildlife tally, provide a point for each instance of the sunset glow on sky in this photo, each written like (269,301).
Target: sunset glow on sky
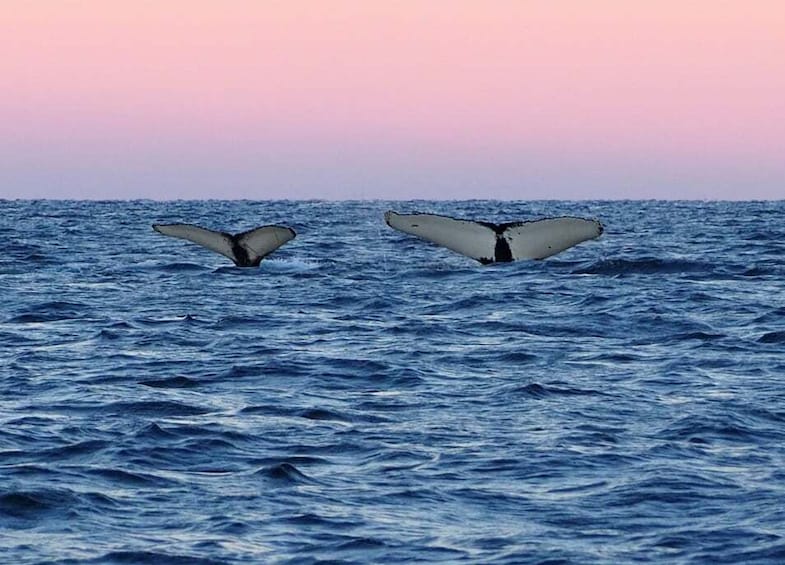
(511,99)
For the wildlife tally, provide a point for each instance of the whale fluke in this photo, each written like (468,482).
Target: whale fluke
(246,249)
(487,242)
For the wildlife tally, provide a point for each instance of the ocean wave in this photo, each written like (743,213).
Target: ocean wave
(53,311)
(366,397)
(645,266)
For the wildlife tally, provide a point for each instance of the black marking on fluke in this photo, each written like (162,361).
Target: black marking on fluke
(502,253)
(241,258)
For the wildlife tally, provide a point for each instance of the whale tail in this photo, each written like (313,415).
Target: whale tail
(487,242)
(246,249)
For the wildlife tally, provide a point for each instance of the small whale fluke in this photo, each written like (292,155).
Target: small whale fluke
(246,249)
(487,242)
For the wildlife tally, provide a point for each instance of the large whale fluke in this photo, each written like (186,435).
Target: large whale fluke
(487,242)
(246,249)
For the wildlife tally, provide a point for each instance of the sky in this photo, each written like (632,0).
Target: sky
(392,99)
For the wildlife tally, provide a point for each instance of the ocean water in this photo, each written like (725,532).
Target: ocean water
(366,397)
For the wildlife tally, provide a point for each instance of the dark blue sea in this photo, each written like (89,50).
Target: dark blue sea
(366,397)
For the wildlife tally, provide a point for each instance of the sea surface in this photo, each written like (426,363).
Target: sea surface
(366,397)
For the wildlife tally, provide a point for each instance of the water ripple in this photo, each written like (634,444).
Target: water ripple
(366,397)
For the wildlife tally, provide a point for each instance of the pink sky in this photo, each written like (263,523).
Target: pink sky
(512,99)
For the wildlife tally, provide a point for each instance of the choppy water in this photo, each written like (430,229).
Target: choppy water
(366,397)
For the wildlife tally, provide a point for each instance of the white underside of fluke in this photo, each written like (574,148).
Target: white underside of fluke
(542,238)
(462,236)
(536,239)
(257,243)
